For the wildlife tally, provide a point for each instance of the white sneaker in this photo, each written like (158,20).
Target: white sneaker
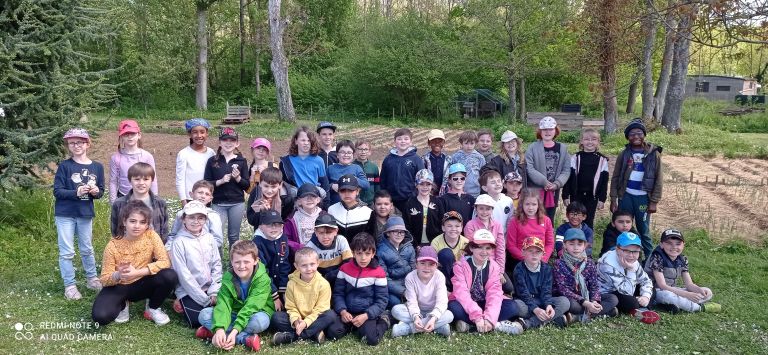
(124,315)
(157,315)
(509,327)
(445,330)
(71,293)
(401,329)
(94,284)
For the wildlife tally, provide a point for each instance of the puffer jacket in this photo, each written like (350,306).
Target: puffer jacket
(198,265)
(397,263)
(652,176)
(361,290)
(614,277)
(462,281)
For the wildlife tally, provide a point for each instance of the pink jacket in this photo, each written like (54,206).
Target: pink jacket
(517,232)
(501,244)
(462,281)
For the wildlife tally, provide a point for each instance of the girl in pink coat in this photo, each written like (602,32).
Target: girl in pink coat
(531,221)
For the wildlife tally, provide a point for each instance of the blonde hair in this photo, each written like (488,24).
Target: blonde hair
(305,252)
(244,247)
(541,213)
(505,157)
(585,133)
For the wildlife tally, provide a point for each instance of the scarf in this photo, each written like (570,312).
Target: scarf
(305,224)
(577,265)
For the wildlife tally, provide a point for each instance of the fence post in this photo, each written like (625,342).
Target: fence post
(691,180)
(717,177)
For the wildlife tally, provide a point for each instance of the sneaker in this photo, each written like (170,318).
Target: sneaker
(320,338)
(462,326)
(669,308)
(156,315)
(203,333)
(444,330)
(124,315)
(71,293)
(711,307)
(645,315)
(282,338)
(401,329)
(177,306)
(509,327)
(614,312)
(94,284)
(561,322)
(253,342)
(386,319)
(570,319)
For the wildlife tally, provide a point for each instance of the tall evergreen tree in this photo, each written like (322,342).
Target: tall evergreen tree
(46,81)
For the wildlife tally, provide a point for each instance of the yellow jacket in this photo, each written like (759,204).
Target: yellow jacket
(307,300)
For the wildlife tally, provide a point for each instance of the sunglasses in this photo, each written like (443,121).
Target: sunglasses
(458,178)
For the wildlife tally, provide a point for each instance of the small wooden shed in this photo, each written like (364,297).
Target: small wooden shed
(480,103)
(719,87)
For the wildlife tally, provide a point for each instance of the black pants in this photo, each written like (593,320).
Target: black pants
(191,311)
(624,303)
(589,201)
(445,262)
(372,331)
(111,300)
(577,309)
(328,322)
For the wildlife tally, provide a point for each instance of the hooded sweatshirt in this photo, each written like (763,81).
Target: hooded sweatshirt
(212,225)
(616,278)
(398,173)
(229,301)
(197,263)
(300,226)
(307,300)
(274,254)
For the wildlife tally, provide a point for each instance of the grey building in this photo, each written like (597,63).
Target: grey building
(719,87)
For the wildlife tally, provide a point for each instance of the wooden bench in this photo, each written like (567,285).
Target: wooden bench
(565,120)
(237,114)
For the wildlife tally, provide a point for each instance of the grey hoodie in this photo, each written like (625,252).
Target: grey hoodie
(212,225)
(197,263)
(614,277)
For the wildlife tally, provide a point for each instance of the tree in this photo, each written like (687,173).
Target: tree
(45,83)
(201,90)
(279,64)
(676,91)
(649,28)
(670,36)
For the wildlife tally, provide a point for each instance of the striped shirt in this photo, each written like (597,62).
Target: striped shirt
(635,183)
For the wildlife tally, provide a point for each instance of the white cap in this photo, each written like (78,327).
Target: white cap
(547,122)
(434,134)
(508,136)
(483,236)
(195,207)
(485,200)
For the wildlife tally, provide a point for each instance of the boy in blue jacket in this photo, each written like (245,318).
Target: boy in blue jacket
(360,293)
(401,165)
(274,252)
(397,257)
(533,284)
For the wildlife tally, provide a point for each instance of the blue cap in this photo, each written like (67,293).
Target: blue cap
(325,124)
(628,238)
(574,234)
(456,168)
(192,123)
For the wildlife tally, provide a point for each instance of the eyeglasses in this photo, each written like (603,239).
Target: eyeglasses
(76,144)
(397,232)
(458,178)
(575,214)
(346,153)
(630,252)
(636,134)
(363,149)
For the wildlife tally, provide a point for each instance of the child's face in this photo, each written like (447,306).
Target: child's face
(457,181)
(203,194)
(383,206)
(484,142)
(270,190)
(228,145)
(575,247)
(363,152)
(426,268)
(482,253)
(468,146)
(548,134)
(326,235)
(493,186)
(349,197)
(628,255)
(436,145)
(531,207)
(452,229)
(590,142)
(135,225)
(513,187)
(396,237)
(130,139)
(346,155)
(424,188)
(198,135)
(271,230)
(303,144)
(363,257)
(77,146)
(673,247)
(484,212)
(307,266)
(194,222)
(327,136)
(636,137)
(510,147)
(243,265)
(260,153)
(623,223)
(532,255)
(141,184)
(308,203)
(575,218)
(402,143)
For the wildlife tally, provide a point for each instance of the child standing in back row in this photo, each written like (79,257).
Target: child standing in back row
(400,167)
(129,152)
(548,165)
(363,152)
(190,162)
(435,160)
(78,181)
(588,182)
(472,161)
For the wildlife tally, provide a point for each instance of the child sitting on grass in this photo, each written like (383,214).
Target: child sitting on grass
(450,245)
(426,307)
(274,251)
(300,225)
(201,191)
(669,267)
(244,304)
(396,256)
(621,221)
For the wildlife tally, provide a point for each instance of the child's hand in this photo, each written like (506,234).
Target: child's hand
(235,172)
(231,340)
(213,300)
(94,190)
(652,207)
(346,317)
(593,307)
(299,325)
(567,201)
(550,186)
(219,338)
(129,273)
(613,206)
(257,205)
(550,312)
(225,179)
(540,314)
(417,324)
(643,301)
(360,319)
(82,190)
(706,292)
(430,325)
(600,205)
(278,304)
(481,325)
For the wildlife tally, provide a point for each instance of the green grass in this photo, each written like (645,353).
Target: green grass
(32,293)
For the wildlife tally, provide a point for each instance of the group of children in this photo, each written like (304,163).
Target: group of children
(339,246)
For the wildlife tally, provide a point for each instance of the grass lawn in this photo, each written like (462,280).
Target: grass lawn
(32,293)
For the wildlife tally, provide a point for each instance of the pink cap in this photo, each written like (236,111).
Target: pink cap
(77,133)
(261,142)
(127,126)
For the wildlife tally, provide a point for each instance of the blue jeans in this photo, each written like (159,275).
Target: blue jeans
(67,228)
(232,215)
(638,206)
(258,323)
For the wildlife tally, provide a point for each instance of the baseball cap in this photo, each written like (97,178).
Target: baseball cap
(456,168)
(427,253)
(325,124)
(195,207)
(672,234)
(307,189)
(127,126)
(508,136)
(425,175)
(434,134)
(270,217)
(452,215)
(628,238)
(574,234)
(533,242)
(348,182)
(227,133)
(547,122)
(194,122)
(77,133)
(326,220)
(483,236)
(485,200)
(513,176)
(261,142)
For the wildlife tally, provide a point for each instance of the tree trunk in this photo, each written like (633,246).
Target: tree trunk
(607,64)
(632,94)
(649,25)
(279,63)
(201,91)
(522,99)
(670,37)
(242,42)
(676,91)
(253,20)
(512,106)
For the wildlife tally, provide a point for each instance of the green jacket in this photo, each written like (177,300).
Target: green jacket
(228,302)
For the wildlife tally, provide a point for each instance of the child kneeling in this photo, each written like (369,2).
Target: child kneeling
(244,304)
(426,307)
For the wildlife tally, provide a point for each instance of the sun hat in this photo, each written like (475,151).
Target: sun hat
(547,122)
(485,200)
(508,136)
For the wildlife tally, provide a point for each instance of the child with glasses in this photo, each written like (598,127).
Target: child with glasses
(397,257)
(576,213)
(345,151)
(362,153)
(455,199)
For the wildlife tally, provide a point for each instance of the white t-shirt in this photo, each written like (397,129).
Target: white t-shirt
(190,168)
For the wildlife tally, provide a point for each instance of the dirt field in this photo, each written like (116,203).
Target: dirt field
(727,197)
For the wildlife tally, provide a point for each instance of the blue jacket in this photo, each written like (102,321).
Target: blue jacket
(274,254)
(336,171)
(361,290)
(560,233)
(535,293)
(398,174)
(397,263)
